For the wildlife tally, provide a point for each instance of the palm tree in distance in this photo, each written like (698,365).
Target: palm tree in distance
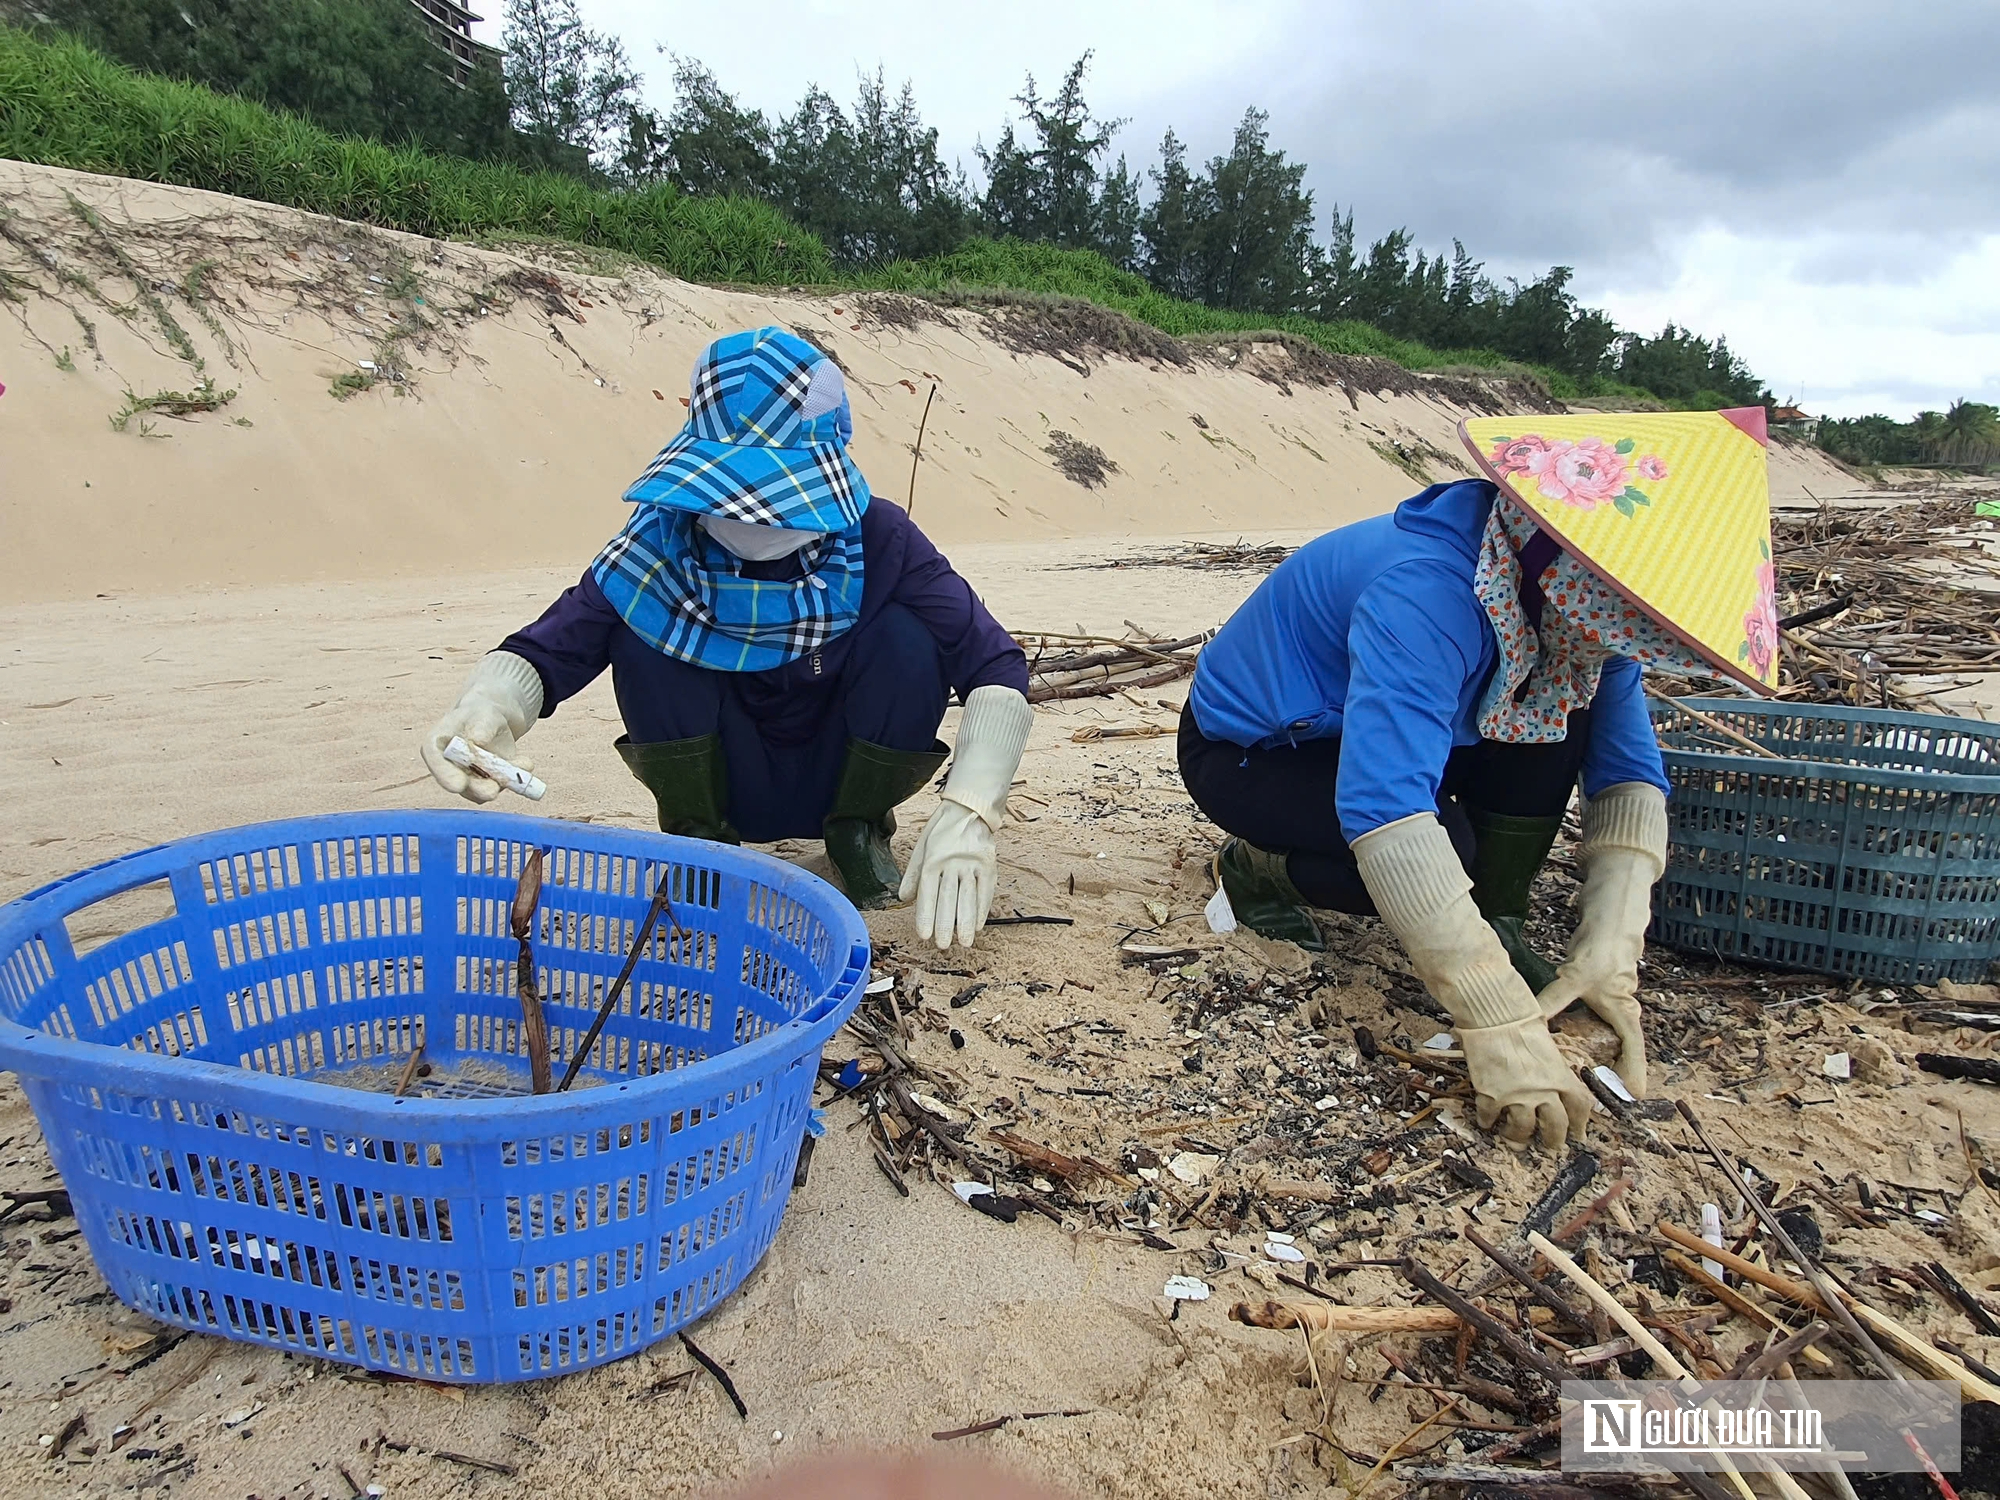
(1971,430)
(1928,429)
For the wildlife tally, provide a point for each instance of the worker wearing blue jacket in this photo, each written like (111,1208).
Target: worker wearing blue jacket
(1393,724)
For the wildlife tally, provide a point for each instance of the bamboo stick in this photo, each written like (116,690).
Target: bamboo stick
(1318,1319)
(1737,1303)
(1661,1356)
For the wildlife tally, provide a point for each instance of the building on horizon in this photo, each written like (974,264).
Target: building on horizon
(450,26)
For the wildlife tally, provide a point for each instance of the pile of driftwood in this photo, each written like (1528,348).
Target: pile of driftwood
(1541,1314)
(1222,557)
(1091,666)
(1874,598)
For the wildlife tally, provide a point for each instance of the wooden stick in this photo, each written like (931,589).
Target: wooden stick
(1421,1277)
(1734,1300)
(1643,1337)
(534,1025)
(1539,1290)
(1713,725)
(410,1071)
(645,933)
(1319,1319)
(1764,1276)
(1823,1284)
(917,453)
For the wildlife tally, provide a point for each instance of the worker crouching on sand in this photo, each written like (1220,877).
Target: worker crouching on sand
(781,650)
(1393,723)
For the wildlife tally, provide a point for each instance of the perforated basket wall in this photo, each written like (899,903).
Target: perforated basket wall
(1871,847)
(444,1235)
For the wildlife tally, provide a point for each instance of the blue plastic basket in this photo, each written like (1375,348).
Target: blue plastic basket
(1870,848)
(453,1238)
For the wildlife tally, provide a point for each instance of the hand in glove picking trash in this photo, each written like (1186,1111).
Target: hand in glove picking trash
(952,869)
(499,703)
(1624,850)
(1525,1091)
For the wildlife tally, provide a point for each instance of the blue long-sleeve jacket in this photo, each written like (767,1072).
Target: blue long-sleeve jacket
(1373,633)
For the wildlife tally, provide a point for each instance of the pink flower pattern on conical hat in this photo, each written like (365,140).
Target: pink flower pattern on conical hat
(1671,509)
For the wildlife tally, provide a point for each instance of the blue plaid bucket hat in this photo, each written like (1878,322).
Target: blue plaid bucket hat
(765,443)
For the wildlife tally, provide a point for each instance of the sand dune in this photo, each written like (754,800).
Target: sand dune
(498,427)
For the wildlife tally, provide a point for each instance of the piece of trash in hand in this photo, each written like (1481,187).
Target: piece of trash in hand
(493,768)
(1221,915)
(1290,1254)
(1837,1065)
(1185,1289)
(1610,1079)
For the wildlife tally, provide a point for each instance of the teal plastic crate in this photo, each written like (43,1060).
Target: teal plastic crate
(1870,848)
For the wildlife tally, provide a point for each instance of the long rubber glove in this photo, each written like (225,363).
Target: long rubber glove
(1524,1088)
(500,702)
(1624,850)
(952,869)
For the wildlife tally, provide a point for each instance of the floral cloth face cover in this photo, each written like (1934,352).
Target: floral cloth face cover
(1544,673)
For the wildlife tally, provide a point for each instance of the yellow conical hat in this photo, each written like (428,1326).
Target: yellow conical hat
(1673,509)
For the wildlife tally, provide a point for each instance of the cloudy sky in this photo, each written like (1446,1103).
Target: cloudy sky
(1818,182)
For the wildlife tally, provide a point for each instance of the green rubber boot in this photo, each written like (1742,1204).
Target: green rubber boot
(1263,897)
(873,783)
(1509,853)
(689,783)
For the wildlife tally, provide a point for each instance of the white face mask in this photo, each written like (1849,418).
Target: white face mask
(754,543)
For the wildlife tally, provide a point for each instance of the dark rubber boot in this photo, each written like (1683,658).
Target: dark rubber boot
(1508,854)
(1263,897)
(873,783)
(689,783)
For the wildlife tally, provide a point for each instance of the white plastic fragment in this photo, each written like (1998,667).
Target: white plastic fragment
(879,986)
(1837,1065)
(937,1107)
(1610,1079)
(493,768)
(1290,1254)
(1323,1105)
(1279,1237)
(1193,1167)
(1185,1289)
(1444,1041)
(1711,1230)
(967,1191)
(1220,914)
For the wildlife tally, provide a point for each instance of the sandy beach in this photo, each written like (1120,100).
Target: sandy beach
(250,613)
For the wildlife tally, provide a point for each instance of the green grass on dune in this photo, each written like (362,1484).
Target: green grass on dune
(1013,266)
(64,105)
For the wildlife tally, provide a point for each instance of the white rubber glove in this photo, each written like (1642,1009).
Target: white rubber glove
(952,869)
(1524,1088)
(500,702)
(1624,850)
